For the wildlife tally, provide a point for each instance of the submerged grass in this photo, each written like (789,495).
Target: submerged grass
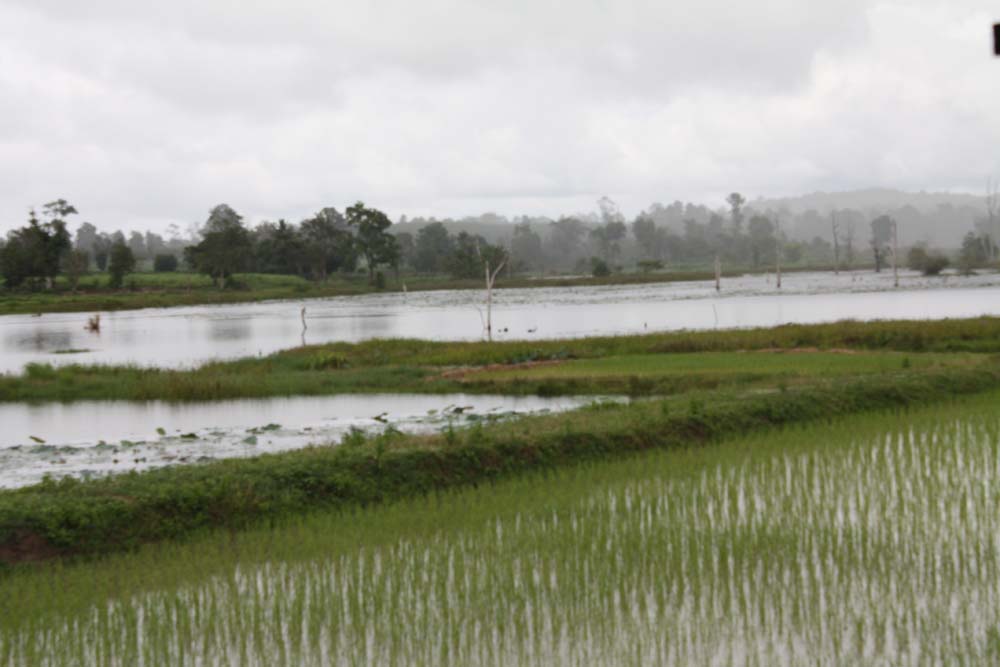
(869,540)
(162,290)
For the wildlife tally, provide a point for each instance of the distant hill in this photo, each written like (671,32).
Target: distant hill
(938,218)
(871,200)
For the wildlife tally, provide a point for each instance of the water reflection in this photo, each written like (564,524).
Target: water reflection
(178,337)
(95,437)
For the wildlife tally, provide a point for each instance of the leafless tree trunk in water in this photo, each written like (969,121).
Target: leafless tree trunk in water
(835,226)
(895,253)
(992,213)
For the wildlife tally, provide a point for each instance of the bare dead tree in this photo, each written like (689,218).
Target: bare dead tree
(777,249)
(491,276)
(849,246)
(718,273)
(835,228)
(895,253)
(992,214)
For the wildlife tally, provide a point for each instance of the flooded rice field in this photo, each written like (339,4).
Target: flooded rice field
(872,541)
(175,337)
(91,438)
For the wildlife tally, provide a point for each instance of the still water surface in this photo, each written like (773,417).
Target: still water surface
(175,337)
(91,438)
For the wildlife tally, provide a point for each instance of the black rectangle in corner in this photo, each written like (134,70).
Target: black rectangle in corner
(996,39)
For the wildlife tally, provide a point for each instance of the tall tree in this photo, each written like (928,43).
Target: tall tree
(327,242)
(565,240)
(36,251)
(762,239)
(374,242)
(121,263)
(736,202)
(607,237)
(526,247)
(224,248)
(431,248)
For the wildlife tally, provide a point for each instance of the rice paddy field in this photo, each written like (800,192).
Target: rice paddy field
(869,540)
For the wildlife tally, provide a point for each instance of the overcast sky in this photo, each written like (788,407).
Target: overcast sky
(142,114)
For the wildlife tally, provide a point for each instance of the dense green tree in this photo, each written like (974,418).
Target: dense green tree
(975,252)
(607,237)
(278,248)
(565,240)
(327,243)
(137,243)
(762,240)
(86,237)
(526,247)
(407,248)
(36,251)
(75,264)
(470,255)
(432,248)
(165,263)
(736,202)
(121,262)
(225,247)
(373,240)
(100,250)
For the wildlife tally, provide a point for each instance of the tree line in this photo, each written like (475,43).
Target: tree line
(363,238)
(330,241)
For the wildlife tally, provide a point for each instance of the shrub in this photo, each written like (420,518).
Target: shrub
(599,268)
(165,263)
(930,263)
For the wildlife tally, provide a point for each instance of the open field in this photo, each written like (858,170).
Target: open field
(161,290)
(867,540)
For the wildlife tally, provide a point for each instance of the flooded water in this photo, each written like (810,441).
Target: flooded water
(174,337)
(91,438)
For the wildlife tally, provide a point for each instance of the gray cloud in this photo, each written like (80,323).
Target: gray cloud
(145,114)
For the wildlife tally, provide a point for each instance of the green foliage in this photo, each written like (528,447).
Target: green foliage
(165,263)
(225,247)
(599,268)
(35,252)
(975,252)
(373,240)
(930,263)
(121,262)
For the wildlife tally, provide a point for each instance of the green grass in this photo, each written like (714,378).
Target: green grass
(869,540)
(99,516)
(639,365)
(789,364)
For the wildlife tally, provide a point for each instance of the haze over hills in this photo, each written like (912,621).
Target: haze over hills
(870,200)
(935,218)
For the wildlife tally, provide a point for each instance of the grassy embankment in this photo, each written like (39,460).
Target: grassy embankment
(868,540)
(637,365)
(161,290)
(99,516)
